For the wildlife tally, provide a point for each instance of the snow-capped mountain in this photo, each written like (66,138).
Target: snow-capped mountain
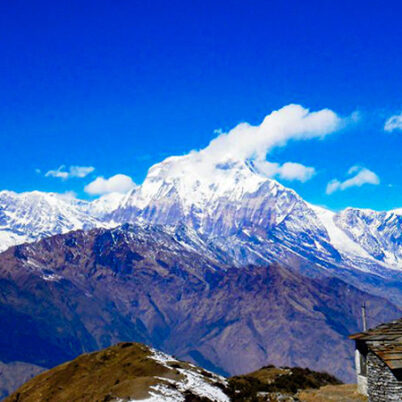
(222,201)
(27,217)
(239,253)
(256,219)
(102,207)
(378,233)
(231,207)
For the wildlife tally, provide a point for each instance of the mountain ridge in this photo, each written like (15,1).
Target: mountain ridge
(232,199)
(84,290)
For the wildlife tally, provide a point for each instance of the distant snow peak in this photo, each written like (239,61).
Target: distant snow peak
(234,199)
(230,210)
(30,216)
(105,204)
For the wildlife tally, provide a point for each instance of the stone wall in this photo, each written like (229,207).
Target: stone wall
(382,384)
(361,379)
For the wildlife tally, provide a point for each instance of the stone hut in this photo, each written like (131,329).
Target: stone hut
(378,361)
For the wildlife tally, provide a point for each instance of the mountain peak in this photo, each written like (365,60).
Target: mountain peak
(196,179)
(229,202)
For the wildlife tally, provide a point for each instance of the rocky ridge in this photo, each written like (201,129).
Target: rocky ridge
(231,205)
(130,371)
(85,290)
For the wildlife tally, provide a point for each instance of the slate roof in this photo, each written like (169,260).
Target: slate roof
(385,341)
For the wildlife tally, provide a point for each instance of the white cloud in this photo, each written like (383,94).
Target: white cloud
(81,171)
(287,171)
(73,171)
(59,173)
(248,142)
(296,171)
(292,122)
(361,176)
(119,183)
(394,123)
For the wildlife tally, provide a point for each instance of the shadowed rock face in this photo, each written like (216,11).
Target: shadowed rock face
(82,291)
(14,374)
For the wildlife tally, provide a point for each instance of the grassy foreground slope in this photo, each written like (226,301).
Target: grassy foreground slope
(132,371)
(126,371)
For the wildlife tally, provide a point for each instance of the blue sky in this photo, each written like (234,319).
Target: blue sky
(120,85)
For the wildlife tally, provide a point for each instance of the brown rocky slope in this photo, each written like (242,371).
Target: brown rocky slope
(133,371)
(82,291)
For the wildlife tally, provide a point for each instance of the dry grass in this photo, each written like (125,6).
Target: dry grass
(338,393)
(122,371)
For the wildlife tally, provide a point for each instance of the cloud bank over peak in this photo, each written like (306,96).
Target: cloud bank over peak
(118,183)
(245,142)
(288,171)
(249,142)
(360,177)
(292,122)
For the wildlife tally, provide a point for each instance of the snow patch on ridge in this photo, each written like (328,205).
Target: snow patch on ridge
(339,239)
(193,381)
(162,393)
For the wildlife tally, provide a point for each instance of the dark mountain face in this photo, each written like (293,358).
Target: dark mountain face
(82,291)
(14,374)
